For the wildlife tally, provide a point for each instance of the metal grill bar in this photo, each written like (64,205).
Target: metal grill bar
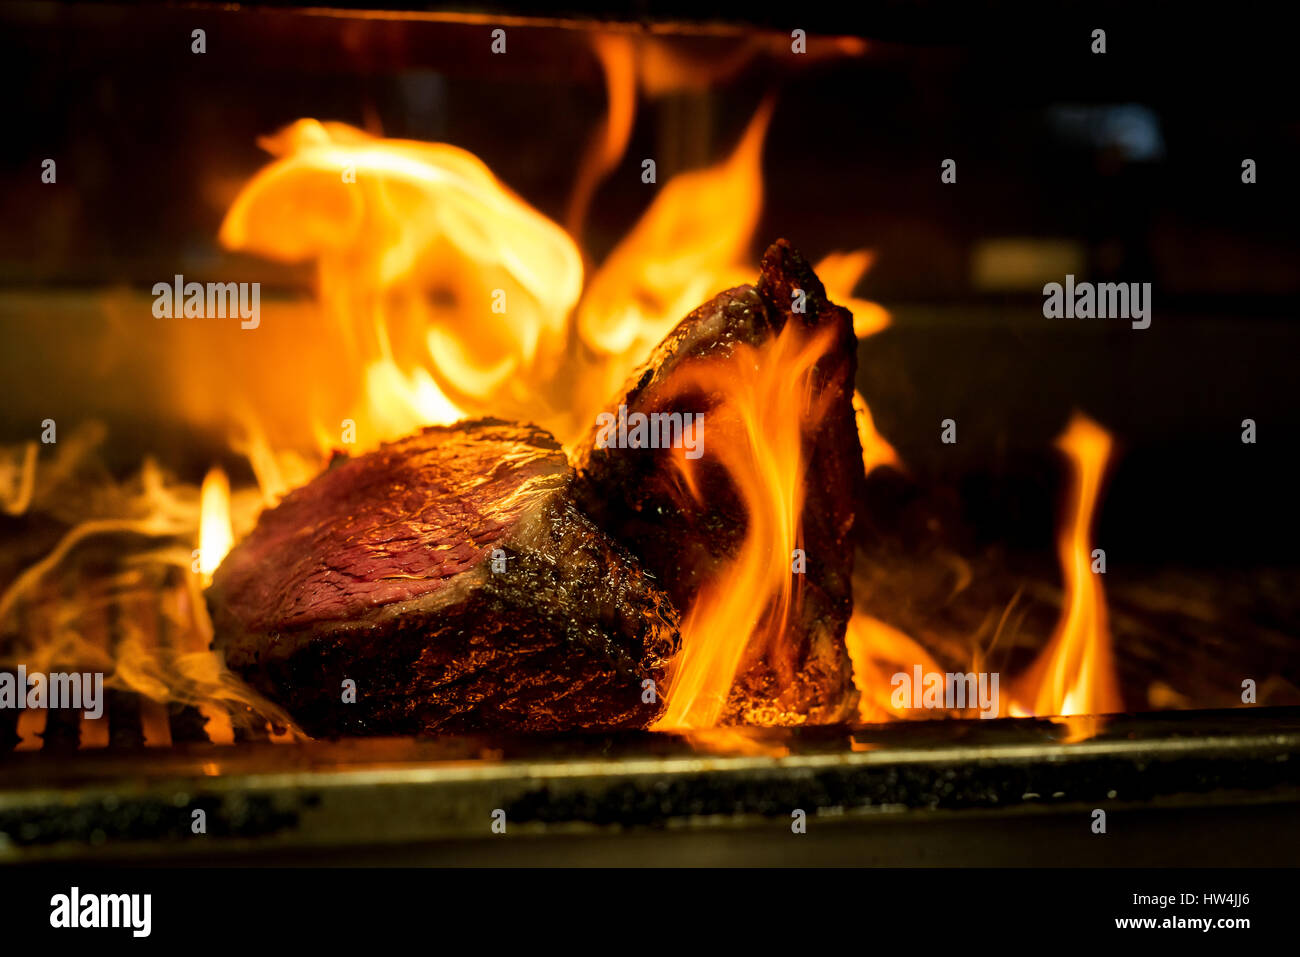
(323,796)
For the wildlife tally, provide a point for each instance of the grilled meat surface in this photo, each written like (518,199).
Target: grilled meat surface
(451,577)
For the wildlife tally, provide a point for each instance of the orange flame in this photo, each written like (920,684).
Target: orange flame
(454,292)
(453,297)
(216,534)
(879,651)
(618,63)
(447,295)
(422,214)
(411,252)
(875,450)
(839,273)
(764,410)
(1075,673)
(144,624)
(1074,676)
(692,243)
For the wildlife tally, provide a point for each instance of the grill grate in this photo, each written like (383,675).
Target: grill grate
(130,721)
(945,783)
(121,606)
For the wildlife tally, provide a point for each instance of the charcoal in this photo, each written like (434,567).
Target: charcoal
(452,578)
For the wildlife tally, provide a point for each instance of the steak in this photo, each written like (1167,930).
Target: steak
(452,578)
(688,540)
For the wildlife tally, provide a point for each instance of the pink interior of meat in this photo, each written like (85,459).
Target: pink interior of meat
(390,526)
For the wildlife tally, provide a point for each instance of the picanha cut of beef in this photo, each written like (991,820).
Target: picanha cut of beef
(687,540)
(452,578)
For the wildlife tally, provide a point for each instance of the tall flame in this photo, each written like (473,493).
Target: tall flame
(1075,673)
(765,410)
(617,55)
(1074,677)
(692,242)
(454,297)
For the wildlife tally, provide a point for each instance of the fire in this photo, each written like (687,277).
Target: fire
(617,57)
(692,242)
(450,296)
(452,292)
(424,216)
(216,534)
(875,450)
(839,273)
(1075,674)
(758,428)
(879,651)
(144,624)
(453,297)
